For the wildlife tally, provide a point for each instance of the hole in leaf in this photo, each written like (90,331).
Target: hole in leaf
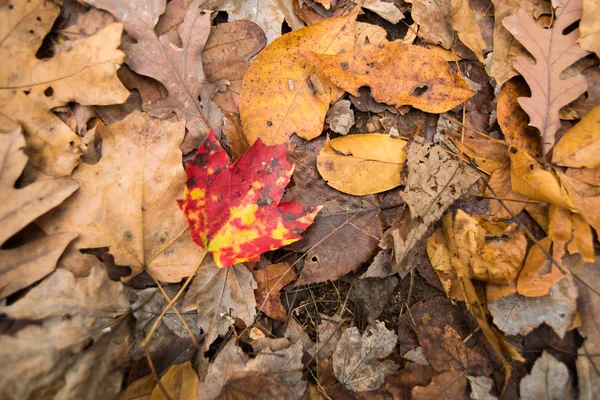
(419,90)
(32,31)
(49,91)
(285,28)
(269,123)
(314,259)
(10,6)
(39,19)
(221,18)
(570,28)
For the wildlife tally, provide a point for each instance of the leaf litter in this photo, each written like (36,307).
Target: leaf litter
(299,199)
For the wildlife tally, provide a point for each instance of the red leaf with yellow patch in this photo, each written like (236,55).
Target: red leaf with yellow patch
(234,210)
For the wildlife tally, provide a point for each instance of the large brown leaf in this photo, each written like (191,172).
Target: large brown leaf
(553,52)
(179,68)
(219,295)
(398,74)
(448,385)
(22,266)
(346,231)
(30,87)
(127,200)
(282,93)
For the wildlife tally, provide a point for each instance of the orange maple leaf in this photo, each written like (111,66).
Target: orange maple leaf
(234,210)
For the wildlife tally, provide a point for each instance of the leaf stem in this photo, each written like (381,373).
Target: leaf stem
(172,302)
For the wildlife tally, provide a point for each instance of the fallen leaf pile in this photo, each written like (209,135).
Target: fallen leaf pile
(212,199)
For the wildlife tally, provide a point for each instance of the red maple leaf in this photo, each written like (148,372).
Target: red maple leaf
(234,210)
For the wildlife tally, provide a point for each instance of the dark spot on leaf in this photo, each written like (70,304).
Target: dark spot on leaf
(49,91)
(419,90)
(269,123)
(128,235)
(345,66)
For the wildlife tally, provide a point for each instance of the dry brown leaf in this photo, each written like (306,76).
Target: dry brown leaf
(226,56)
(270,280)
(180,382)
(448,385)
(514,121)
(500,182)
(140,389)
(583,238)
(585,197)
(40,354)
(340,117)
(589,26)
(219,295)
(178,68)
(86,74)
(529,178)
(362,164)
(530,282)
(127,200)
(586,102)
(434,19)
(356,358)
(386,10)
(232,128)
(519,315)
(481,387)
(553,52)
(398,74)
(269,16)
(282,93)
(22,266)
(549,379)
(465,24)
(369,34)
(560,230)
(346,231)
(488,154)
(229,360)
(579,147)
(506,47)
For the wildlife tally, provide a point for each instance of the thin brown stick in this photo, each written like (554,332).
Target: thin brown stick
(155,375)
(168,307)
(507,199)
(502,142)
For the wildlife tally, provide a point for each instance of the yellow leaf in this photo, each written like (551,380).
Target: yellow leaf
(530,282)
(586,199)
(560,231)
(500,182)
(465,24)
(579,147)
(438,254)
(362,164)
(583,239)
(529,178)
(282,93)
(180,382)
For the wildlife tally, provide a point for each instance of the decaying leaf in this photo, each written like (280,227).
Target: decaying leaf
(127,200)
(553,52)
(529,178)
(434,19)
(234,211)
(340,117)
(180,382)
(270,280)
(398,74)
(362,164)
(448,385)
(86,73)
(369,34)
(22,266)
(480,388)
(579,147)
(585,198)
(516,314)
(226,57)
(500,182)
(282,93)
(178,68)
(549,379)
(345,233)
(506,47)
(465,24)
(385,10)
(219,295)
(435,180)
(269,375)
(70,311)
(530,282)
(140,389)
(355,360)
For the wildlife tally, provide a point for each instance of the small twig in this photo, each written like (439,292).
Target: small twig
(506,199)
(155,375)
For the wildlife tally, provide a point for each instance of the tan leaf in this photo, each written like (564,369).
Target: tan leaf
(530,282)
(583,238)
(591,176)
(553,52)
(519,315)
(529,178)
(362,164)
(219,295)
(448,385)
(488,154)
(229,360)
(127,200)
(500,182)
(481,387)
(549,379)
(22,266)
(178,68)
(466,26)
(180,382)
(560,230)
(589,26)
(579,147)
(140,389)
(386,10)
(586,199)
(270,280)
(232,128)
(369,34)
(398,74)
(31,86)
(514,121)
(226,57)
(434,19)
(340,117)
(269,16)
(280,97)
(356,358)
